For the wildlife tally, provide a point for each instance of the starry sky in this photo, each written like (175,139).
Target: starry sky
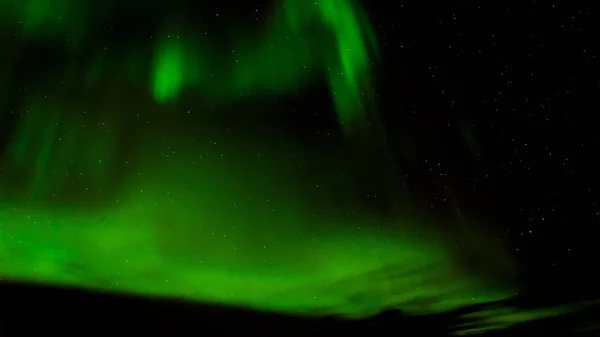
(501,100)
(483,113)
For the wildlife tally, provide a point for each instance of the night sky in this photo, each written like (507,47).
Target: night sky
(504,98)
(478,114)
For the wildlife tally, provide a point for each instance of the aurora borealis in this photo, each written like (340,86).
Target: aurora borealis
(147,169)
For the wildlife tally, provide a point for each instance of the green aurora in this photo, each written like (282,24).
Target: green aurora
(101,187)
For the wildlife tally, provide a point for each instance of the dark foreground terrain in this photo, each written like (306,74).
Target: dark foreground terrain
(36,310)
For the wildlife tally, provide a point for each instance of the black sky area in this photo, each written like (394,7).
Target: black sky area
(496,102)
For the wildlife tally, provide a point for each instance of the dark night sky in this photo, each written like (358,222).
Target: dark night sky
(517,84)
(497,104)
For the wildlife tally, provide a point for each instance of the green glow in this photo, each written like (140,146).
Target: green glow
(101,189)
(327,37)
(235,230)
(170,73)
(47,18)
(501,317)
(203,219)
